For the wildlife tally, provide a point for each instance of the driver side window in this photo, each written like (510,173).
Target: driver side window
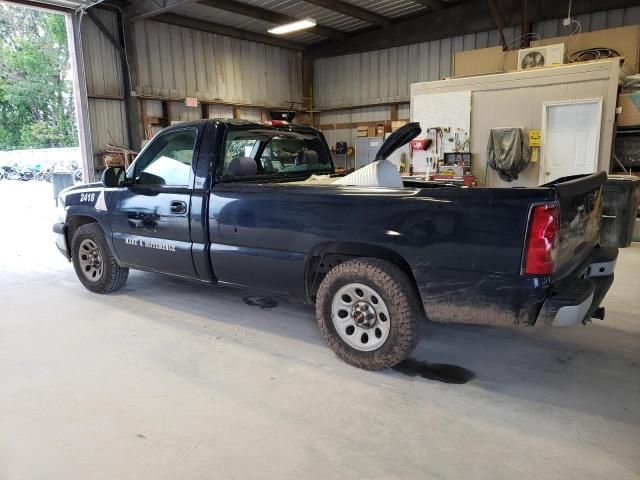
(168,160)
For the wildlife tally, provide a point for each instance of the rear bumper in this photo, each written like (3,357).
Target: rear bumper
(574,300)
(60,232)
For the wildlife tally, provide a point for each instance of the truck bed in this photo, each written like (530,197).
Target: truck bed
(465,242)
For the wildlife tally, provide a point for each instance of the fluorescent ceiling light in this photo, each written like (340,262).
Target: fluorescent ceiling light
(293,26)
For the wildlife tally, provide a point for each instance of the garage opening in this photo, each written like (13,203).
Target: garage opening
(38,126)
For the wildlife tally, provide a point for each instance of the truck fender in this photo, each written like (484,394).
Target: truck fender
(77,218)
(324,256)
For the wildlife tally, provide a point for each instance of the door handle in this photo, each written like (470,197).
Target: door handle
(178,206)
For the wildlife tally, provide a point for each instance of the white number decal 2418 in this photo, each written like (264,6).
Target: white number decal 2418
(87,197)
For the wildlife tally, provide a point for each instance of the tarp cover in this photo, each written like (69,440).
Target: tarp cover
(508,152)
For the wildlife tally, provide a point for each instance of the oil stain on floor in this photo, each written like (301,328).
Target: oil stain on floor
(262,302)
(440,372)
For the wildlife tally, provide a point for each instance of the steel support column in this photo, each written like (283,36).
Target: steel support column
(80,97)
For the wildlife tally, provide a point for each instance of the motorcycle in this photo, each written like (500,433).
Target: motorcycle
(10,172)
(25,175)
(44,175)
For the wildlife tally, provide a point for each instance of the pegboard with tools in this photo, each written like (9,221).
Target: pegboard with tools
(445,119)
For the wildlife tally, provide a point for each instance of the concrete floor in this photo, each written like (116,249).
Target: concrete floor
(168,379)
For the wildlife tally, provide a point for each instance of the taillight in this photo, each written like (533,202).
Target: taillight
(542,240)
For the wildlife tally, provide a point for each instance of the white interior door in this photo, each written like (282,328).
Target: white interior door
(570,138)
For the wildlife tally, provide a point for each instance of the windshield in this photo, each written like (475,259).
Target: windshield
(251,153)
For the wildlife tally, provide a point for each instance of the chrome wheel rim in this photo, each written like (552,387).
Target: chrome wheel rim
(360,317)
(90,260)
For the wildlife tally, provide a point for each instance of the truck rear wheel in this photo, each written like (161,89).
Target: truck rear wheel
(93,261)
(368,313)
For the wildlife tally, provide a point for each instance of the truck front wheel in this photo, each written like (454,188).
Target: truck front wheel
(93,261)
(368,313)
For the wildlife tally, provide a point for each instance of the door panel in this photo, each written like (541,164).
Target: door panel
(274,270)
(259,232)
(252,240)
(148,234)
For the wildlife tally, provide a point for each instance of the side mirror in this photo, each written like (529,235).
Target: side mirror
(113,177)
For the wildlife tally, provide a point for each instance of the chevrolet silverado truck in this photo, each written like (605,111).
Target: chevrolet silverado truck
(259,205)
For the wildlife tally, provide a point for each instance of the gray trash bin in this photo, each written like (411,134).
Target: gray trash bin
(61,180)
(619,210)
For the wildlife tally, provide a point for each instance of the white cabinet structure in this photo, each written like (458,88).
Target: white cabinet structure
(517,99)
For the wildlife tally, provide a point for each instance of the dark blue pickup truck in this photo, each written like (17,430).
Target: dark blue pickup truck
(259,205)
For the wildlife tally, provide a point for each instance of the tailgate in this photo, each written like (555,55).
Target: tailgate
(580,199)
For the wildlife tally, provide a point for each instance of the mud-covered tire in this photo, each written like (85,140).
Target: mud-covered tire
(112,276)
(400,300)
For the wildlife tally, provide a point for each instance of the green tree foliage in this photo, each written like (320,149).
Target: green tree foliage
(36,97)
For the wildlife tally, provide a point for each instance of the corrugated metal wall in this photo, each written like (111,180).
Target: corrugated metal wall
(220,111)
(589,22)
(103,78)
(385,75)
(179,112)
(107,121)
(176,62)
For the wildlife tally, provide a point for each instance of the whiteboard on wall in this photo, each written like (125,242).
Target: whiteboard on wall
(451,111)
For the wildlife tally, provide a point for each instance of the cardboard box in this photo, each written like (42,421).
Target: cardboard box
(371,131)
(380,130)
(624,40)
(484,61)
(630,104)
(113,160)
(396,124)
(362,131)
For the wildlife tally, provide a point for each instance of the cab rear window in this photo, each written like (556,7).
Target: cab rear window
(251,153)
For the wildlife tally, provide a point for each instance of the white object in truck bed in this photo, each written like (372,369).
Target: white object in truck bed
(381,173)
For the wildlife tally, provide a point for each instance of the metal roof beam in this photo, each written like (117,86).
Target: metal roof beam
(499,21)
(352,10)
(470,17)
(218,29)
(461,19)
(266,15)
(150,8)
